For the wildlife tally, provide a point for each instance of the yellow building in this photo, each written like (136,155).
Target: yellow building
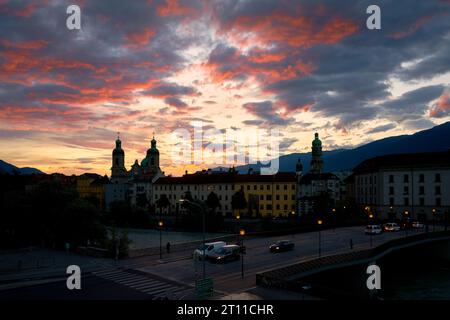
(91,185)
(267,195)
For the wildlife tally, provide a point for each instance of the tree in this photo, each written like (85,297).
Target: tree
(212,201)
(162,202)
(238,201)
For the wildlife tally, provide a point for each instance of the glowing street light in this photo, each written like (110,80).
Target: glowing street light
(319,223)
(160,224)
(242,234)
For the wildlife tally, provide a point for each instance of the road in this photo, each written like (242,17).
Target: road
(174,276)
(227,277)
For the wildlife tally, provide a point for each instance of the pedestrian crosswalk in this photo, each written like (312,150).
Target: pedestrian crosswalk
(158,289)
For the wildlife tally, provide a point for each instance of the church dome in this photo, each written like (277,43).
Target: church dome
(153,149)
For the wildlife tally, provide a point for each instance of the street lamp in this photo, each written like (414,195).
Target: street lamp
(203,230)
(370,222)
(406,213)
(242,234)
(160,225)
(434,218)
(319,223)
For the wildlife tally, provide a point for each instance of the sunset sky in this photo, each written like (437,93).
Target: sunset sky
(140,67)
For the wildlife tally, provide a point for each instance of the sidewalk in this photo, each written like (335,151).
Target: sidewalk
(38,264)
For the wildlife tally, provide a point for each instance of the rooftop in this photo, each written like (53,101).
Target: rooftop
(405,160)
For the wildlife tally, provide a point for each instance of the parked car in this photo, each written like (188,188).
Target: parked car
(282,245)
(226,253)
(373,229)
(208,248)
(391,226)
(418,225)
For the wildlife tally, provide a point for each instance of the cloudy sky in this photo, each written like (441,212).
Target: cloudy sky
(140,67)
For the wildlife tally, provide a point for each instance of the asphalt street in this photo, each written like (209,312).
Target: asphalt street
(174,276)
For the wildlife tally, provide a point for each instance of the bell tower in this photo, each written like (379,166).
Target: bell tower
(316,160)
(118,161)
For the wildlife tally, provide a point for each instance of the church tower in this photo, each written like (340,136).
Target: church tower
(316,161)
(150,165)
(118,171)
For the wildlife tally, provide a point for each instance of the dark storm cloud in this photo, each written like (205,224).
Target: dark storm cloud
(382,128)
(49,75)
(349,76)
(266,111)
(412,104)
(175,102)
(171,89)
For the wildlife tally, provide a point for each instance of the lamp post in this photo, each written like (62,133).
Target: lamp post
(242,234)
(319,223)
(434,218)
(370,222)
(406,222)
(203,231)
(334,219)
(160,225)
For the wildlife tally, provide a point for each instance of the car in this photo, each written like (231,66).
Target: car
(207,248)
(418,225)
(226,253)
(391,226)
(373,229)
(282,245)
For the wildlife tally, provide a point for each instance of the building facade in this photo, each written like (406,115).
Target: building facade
(266,195)
(413,185)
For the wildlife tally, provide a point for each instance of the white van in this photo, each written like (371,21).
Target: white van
(208,249)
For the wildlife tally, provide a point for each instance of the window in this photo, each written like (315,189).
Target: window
(285,207)
(405,190)
(437,190)
(438,202)
(268,187)
(278,207)
(421,201)
(278,187)
(293,187)
(406,178)
(285,197)
(437,177)
(269,197)
(285,187)
(277,197)
(255,187)
(248,187)
(391,190)
(391,201)
(421,178)
(261,207)
(293,197)
(261,187)
(406,201)
(116,161)
(269,207)
(421,190)
(261,197)
(391,178)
